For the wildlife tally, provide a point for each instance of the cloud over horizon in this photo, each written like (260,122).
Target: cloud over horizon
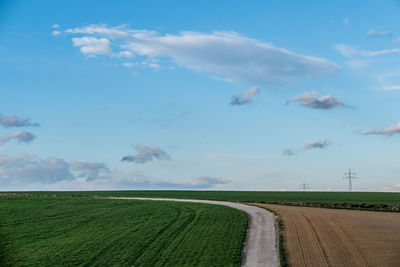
(311,100)
(89,170)
(146,154)
(227,55)
(27,172)
(238,100)
(32,169)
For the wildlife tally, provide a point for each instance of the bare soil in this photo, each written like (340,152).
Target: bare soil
(330,237)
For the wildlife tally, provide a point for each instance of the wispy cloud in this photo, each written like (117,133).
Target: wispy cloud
(376,33)
(239,100)
(15,121)
(89,170)
(128,64)
(391,130)
(311,100)
(227,55)
(391,88)
(19,136)
(287,152)
(352,52)
(316,144)
(146,154)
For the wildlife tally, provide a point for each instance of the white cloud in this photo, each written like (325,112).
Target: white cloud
(311,100)
(102,29)
(30,172)
(89,170)
(25,169)
(358,63)
(19,136)
(346,21)
(15,121)
(56,33)
(351,51)
(125,54)
(391,130)
(146,154)
(227,55)
(128,64)
(93,46)
(288,152)
(375,33)
(55,26)
(245,98)
(151,63)
(391,88)
(316,144)
(202,182)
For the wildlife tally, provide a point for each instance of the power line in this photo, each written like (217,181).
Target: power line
(350,176)
(303,186)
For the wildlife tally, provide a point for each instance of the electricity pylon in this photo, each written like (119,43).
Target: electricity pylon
(303,186)
(350,176)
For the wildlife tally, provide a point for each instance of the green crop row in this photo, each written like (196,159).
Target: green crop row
(49,231)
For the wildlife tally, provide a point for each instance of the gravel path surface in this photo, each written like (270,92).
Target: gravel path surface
(261,241)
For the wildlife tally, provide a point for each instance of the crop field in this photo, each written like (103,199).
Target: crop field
(326,237)
(49,231)
(350,200)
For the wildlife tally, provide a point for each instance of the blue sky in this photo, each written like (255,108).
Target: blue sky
(226,95)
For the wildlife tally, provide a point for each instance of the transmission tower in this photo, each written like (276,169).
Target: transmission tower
(350,176)
(303,186)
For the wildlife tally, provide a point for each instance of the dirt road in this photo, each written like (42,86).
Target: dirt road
(328,237)
(261,243)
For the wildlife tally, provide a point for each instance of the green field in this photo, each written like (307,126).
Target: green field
(49,231)
(256,196)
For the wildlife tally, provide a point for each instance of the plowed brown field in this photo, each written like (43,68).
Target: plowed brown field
(328,237)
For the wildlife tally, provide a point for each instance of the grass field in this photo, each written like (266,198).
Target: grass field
(357,200)
(48,231)
(254,196)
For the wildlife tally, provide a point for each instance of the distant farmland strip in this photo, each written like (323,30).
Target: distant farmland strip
(347,200)
(41,231)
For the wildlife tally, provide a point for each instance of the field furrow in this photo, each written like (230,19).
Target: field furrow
(329,237)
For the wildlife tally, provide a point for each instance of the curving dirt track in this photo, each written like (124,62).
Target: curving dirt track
(261,242)
(328,237)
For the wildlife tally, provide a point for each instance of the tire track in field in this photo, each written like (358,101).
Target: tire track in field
(260,248)
(164,231)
